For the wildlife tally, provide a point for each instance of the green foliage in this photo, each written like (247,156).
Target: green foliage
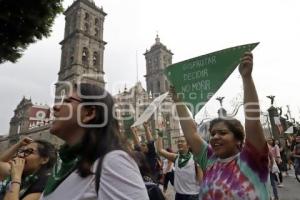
(24,22)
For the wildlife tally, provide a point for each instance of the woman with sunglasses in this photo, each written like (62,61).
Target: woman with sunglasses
(234,167)
(95,162)
(26,165)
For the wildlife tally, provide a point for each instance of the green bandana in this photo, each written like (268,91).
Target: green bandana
(65,165)
(159,132)
(183,159)
(25,184)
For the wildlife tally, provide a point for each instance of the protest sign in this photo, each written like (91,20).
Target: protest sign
(150,110)
(197,79)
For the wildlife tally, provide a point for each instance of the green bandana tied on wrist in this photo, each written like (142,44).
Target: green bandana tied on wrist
(183,159)
(66,163)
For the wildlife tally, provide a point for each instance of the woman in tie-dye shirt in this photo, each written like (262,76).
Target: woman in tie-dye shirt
(235,166)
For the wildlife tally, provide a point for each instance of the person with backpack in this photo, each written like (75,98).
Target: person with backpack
(152,187)
(187,174)
(95,162)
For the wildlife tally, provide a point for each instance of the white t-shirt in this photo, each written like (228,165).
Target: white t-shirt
(120,179)
(185,178)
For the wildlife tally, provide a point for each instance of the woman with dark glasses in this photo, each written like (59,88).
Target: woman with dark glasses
(26,166)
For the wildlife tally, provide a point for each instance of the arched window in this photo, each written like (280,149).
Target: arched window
(151,88)
(96,32)
(95,58)
(96,21)
(71,55)
(158,85)
(166,85)
(86,16)
(86,27)
(85,55)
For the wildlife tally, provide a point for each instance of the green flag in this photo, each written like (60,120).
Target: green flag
(196,80)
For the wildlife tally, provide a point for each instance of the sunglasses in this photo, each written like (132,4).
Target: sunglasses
(65,99)
(23,153)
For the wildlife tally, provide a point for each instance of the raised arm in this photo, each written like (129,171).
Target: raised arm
(188,125)
(148,132)
(9,153)
(199,174)
(163,152)
(170,165)
(17,167)
(253,128)
(135,136)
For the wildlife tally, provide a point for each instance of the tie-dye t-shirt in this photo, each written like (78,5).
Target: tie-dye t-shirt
(241,177)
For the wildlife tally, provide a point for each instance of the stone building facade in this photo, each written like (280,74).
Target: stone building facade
(130,104)
(157,59)
(82,46)
(135,100)
(38,132)
(29,120)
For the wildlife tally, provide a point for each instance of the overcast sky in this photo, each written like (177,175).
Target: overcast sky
(188,28)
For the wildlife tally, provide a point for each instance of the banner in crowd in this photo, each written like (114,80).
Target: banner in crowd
(196,80)
(290,130)
(150,110)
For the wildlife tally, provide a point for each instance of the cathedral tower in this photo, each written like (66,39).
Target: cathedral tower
(157,59)
(83,45)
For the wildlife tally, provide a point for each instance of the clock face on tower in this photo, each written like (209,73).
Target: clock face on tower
(40,115)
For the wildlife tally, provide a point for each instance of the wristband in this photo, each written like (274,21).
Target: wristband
(16,182)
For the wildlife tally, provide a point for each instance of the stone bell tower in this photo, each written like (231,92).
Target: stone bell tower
(82,46)
(157,59)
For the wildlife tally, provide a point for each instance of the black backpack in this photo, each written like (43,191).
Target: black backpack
(154,191)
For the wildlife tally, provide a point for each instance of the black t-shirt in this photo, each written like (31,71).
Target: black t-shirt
(38,186)
(151,157)
(154,192)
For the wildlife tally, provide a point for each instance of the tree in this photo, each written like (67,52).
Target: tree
(23,23)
